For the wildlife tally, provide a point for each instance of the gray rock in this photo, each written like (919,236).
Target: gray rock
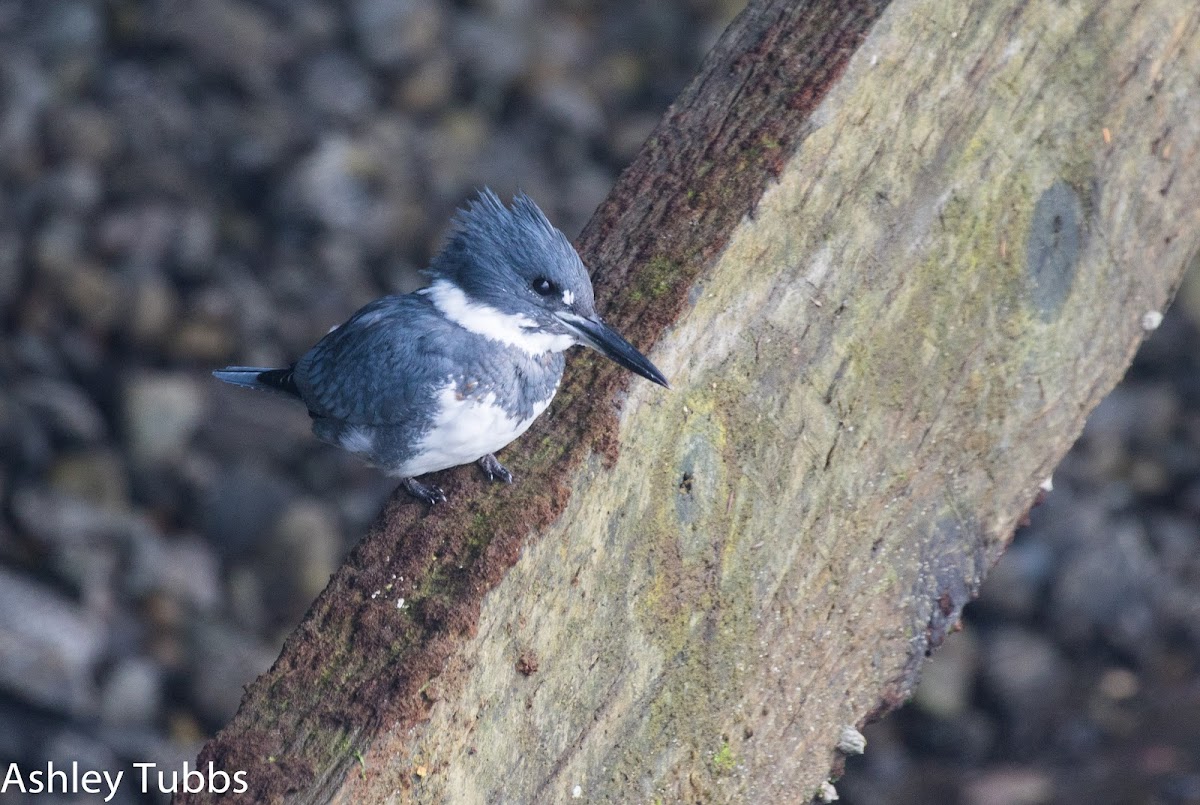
(396,32)
(572,107)
(139,237)
(182,568)
(1025,675)
(1010,786)
(1015,586)
(83,131)
(49,647)
(195,244)
(69,414)
(161,412)
(11,268)
(230,37)
(26,89)
(330,185)
(300,556)
(94,294)
(58,246)
(428,86)
(631,134)
(76,186)
(154,308)
(68,29)
(60,521)
(202,338)
(1142,414)
(453,150)
(246,600)
(948,678)
(241,509)
(224,661)
(132,693)
(97,476)
(83,541)
(337,85)
(1104,590)
(495,51)
(68,746)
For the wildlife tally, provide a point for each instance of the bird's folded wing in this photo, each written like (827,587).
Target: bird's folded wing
(382,367)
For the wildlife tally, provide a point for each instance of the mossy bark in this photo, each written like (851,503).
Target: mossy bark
(890,258)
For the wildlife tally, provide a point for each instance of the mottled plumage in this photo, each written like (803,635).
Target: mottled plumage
(454,372)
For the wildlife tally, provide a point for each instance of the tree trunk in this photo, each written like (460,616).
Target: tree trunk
(890,255)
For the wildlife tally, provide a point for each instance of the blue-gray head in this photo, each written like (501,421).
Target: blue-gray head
(507,273)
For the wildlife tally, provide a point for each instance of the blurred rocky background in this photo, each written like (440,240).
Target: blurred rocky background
(189,184)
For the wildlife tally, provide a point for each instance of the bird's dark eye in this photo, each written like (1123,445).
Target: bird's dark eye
(543,286)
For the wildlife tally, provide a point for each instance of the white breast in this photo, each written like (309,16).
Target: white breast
(465,430)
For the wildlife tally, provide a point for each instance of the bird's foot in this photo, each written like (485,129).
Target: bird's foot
(494,470)
(426,493)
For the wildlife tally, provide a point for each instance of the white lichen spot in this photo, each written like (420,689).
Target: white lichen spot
(851,741)
(400,603)
(827,793)
(577,792)
(1151,319)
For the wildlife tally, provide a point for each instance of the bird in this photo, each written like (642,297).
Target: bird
(453,372)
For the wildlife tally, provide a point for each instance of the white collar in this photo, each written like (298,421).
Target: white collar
(514,329)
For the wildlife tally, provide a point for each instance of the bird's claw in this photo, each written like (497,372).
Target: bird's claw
(426,493)
(494,470)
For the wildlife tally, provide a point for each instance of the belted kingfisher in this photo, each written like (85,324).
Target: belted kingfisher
(453,372)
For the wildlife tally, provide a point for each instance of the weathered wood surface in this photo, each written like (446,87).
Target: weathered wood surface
(889,258)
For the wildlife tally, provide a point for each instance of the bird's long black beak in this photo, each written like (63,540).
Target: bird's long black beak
(608,342)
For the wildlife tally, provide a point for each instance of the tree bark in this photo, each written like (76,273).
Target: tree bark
(890,255)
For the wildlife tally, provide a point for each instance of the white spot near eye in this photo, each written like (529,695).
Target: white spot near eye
(568,298)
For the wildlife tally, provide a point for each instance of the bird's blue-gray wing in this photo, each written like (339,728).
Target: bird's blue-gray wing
(382,367)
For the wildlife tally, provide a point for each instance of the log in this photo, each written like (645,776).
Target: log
(890,256)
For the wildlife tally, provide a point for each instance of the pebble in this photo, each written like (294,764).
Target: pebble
(183,568)
(68,28)
(338,86)
(69,414)
(97,476)
(161,412)
(948,677)
(241,509)
(131,693)
(396,32)
(329,184)
(1012,786)
(92,753)
(303,551)
(231,659)
(1025,675)
(154,307)
(51,647)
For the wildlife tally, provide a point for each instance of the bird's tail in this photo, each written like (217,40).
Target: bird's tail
(278,381)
